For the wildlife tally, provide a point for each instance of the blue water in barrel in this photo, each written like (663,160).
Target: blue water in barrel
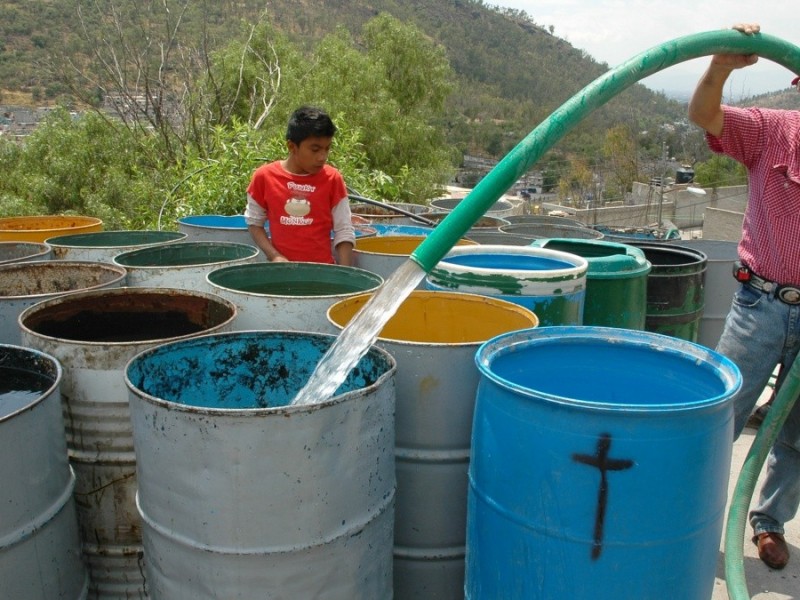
(515,262)
(600,463)
(241,371)
(385,229)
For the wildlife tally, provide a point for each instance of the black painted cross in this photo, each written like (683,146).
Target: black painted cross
(603,463)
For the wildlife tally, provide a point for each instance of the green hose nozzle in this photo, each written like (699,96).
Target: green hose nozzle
(563,119)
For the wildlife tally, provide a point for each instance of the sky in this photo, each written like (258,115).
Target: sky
(613,31)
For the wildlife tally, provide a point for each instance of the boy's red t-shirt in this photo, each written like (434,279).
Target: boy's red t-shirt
(299,209)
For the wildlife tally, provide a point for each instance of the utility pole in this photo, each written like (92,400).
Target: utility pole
(663,180)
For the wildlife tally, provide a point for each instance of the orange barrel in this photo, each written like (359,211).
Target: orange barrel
(434,336)
(39,228)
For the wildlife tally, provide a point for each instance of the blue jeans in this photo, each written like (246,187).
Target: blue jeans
(760,333)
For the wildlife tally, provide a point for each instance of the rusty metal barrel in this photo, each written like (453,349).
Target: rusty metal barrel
(94,334)
(24,284)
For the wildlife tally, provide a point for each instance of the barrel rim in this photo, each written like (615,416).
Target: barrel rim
(120,270)
(515,340)
(124,290)
(344,269)
(63,241)
(439,294)
(53,388)
(579,268)
(233,218)
(196,243)
(287,410)
(41,249)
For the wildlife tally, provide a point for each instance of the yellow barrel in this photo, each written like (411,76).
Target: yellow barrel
(384,254)
(39,228)
(434,336)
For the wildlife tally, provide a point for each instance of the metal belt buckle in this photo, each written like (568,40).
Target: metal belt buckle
(789,295)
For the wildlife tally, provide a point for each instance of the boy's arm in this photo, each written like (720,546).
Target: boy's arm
(255,217)
(344,235)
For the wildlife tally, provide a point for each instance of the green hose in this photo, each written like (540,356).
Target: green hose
(743,492)
(552,129)
(569,114)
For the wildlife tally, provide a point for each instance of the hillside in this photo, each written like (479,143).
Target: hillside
(511,72)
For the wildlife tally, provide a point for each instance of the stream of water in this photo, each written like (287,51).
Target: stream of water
(356,338)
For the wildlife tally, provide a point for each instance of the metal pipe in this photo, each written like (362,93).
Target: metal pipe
(387,206)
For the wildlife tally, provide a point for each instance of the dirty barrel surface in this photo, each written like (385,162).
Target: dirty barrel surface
(93,335)
(14,252)
(243,495)
(434,336)
(102,246)
(24,284)
(675,289)
(291,296)
(40,556)
(600,466)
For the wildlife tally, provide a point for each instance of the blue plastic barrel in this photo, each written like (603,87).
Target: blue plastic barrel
(550,283)
(600,465)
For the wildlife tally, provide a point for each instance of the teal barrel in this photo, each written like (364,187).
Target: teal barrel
(289,295)
(102,246)
(183,264)
(600,466)
(242,495)
(616,282)
(552,284)
(40,552)
(675,289)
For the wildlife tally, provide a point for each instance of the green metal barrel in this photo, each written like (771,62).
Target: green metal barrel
(616,281)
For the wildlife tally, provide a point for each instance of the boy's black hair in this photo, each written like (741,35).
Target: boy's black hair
(308,121)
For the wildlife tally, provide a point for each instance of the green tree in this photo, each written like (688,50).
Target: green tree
(620,152)
(719,171)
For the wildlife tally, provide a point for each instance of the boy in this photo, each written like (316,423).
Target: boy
(302,197)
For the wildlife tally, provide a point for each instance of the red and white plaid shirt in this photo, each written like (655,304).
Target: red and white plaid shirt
(767,142)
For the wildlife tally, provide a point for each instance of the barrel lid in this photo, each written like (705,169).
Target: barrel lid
(607,260)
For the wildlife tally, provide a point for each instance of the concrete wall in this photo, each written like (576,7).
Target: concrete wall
(720,224)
